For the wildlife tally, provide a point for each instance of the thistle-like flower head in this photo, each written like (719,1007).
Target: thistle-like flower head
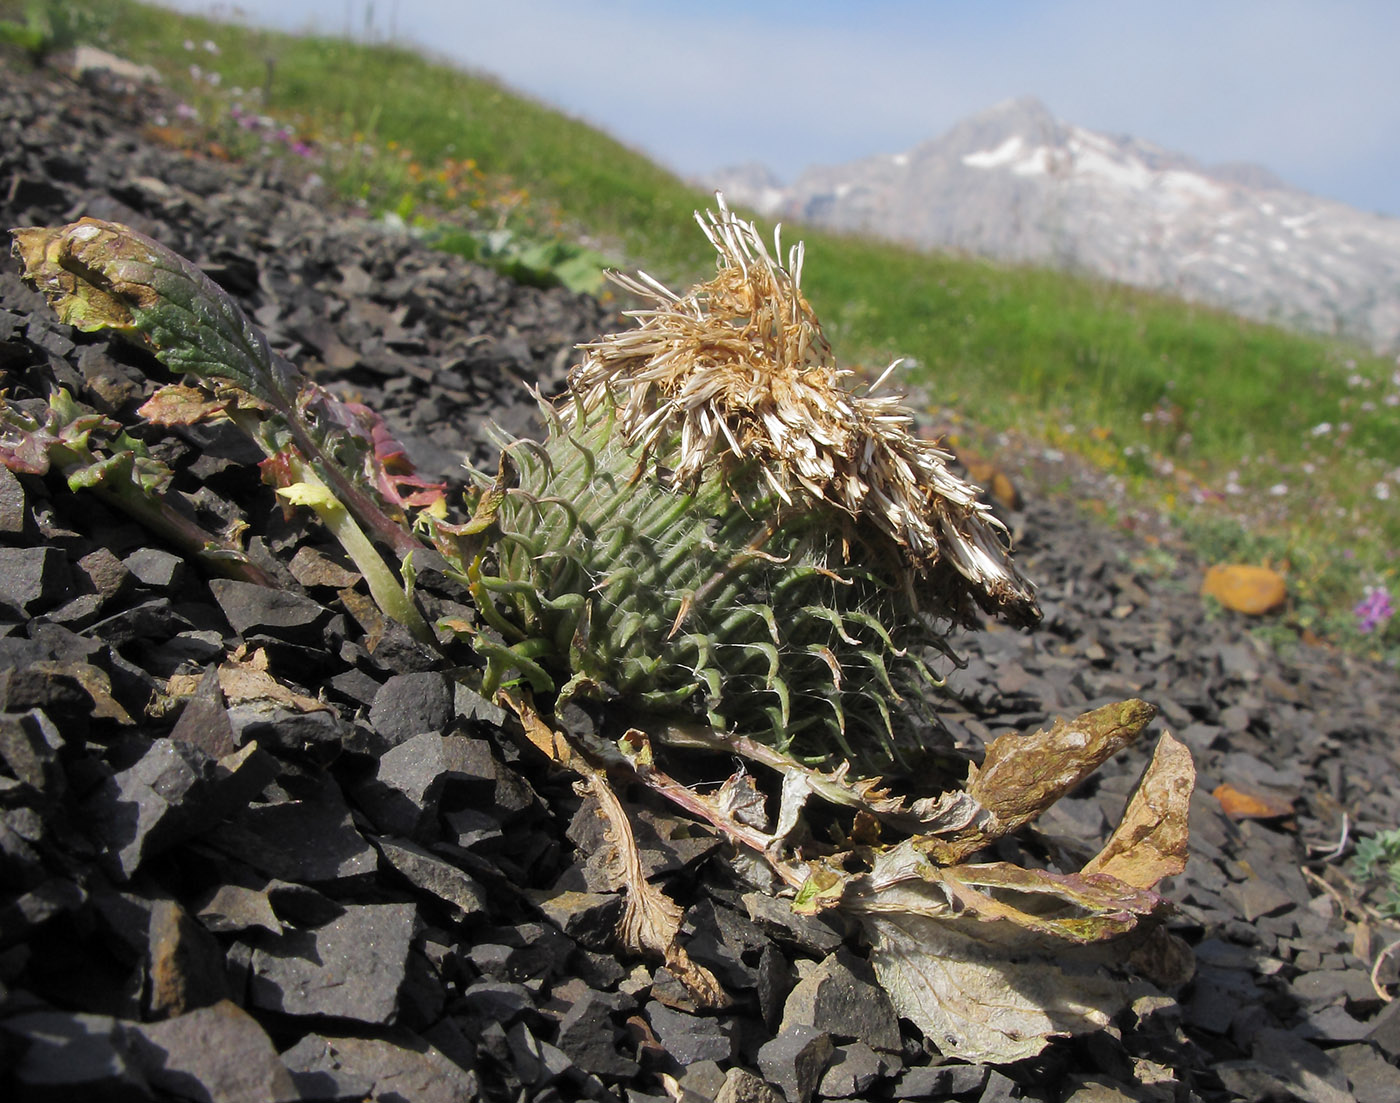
(737,370)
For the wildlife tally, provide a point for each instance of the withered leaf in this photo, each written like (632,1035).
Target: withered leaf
(981,998)
(1022,775)
(1244,804)
(244,681)
(181,404)
(1151,840)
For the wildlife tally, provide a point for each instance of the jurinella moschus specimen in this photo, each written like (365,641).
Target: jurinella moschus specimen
(718,526)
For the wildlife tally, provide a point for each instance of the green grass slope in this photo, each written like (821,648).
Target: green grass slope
(1268,445)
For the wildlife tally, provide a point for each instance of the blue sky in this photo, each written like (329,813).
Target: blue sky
(1310,90)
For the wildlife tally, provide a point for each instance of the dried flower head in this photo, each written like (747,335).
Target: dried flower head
(738,368)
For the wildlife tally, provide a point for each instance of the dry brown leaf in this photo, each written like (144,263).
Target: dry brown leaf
(1151,840)
(979,999)
(181,404)
(650,920)
(245,681)
(1251,805)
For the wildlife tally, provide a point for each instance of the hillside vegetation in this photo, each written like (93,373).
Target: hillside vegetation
(1266,445)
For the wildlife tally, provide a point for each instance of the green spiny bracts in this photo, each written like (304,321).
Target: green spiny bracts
(714,525)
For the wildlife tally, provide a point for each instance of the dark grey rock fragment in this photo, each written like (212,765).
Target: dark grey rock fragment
(29,745)
(68,1055)
(940,1081)
(312,839)
(12,511)
(350,968)
(840,997)
(591,1038)
(156,568)
(1372,1078)
(796,1060)
(775,915)
(410,704)
(742,1086)
(689,1038)
(204,720)
(282,614)
(399,1068)
(229,909)
(173,792)
(853,1069)
(184,963)
(402,797)
(33,579)
(590,918)
(217,1054)
(496,1000)
(435,875)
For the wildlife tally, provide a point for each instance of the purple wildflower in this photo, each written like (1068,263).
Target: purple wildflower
(1374,610)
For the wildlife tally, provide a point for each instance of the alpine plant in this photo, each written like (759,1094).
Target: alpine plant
(717,524)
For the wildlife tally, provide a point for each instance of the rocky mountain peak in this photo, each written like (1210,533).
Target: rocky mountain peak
(1016,183)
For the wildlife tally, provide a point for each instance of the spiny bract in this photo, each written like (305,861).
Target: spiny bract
(716,526)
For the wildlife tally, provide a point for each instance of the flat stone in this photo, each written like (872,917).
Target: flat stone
(1385,1029)
(1372,1078)
(796,1060)
(496,1000)
(689,1038)
(282,614)
(941,1081)
(1333,1024)
(590,1037)
(107,574)
(33,579)
(590,918)
(402,797)
(67,1055)
(154,620)
(293,729)
(776,916)
(217,1054)
(29,746)
(1257,897)
(1307,1071)
(229,909)
(388,1069)
(156,567)
(840,997)
(184,963)
(151,805)
(435,875)
(853,1069)
(313,568)
(1331,985)
(774,980)
(350,968)
(312,840)
(410,704)
(12,511)
(21,915)
(538,1064)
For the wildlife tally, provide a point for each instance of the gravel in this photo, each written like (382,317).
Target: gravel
(363,888)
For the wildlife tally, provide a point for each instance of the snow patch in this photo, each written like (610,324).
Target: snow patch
(901,159)
(1036,163)
(1004,154)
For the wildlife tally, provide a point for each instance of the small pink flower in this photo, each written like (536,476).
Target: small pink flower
(1374,610)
